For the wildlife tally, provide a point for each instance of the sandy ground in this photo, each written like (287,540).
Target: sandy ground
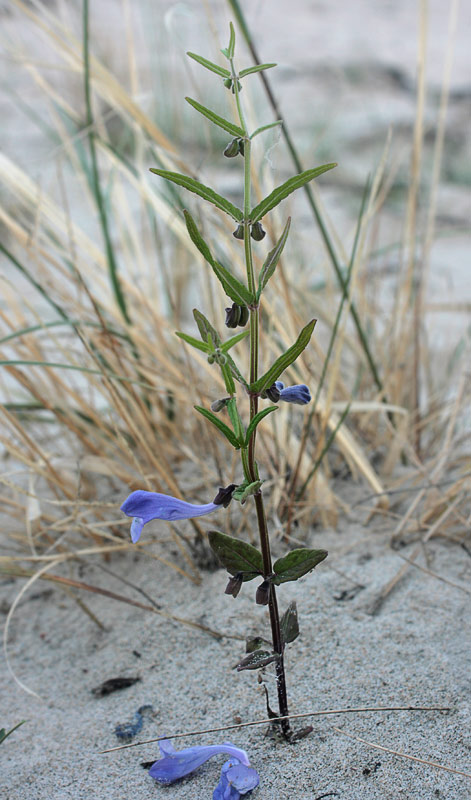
(415,651)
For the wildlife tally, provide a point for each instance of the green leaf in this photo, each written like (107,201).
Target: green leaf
(236,556)
(266,128)
(194,342)
(284,360)
(206,329)
(249,491)
(203,191)
(289,623)
(256,660)
(220,425)
(234,130)
(255,643)
(235,370)
(231,46)
(222,71)
(255,421)
(272,259)
(228,379)
(4,734)
(296,564)
(286,188)
(231,285)
(256,68)
(234,340)
(235,419)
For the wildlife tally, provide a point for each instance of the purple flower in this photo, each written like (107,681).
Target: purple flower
(144,506)
(298,394)
(236,779)
(175,764)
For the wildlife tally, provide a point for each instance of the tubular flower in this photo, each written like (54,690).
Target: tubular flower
(175,764)
(236,779)
(298,394)
(144,506)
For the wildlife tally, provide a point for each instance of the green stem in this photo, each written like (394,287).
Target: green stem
(248,457)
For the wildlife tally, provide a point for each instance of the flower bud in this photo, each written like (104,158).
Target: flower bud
(228,83)
(221,359)
(257,232)
(234,584)
(239,86)
(262,594)
(273,393)
(232,149)
(224,496)
(211,358)
(241,147)
(239,232)
(233,315)
(218,405)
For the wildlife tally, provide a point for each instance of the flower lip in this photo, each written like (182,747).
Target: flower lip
(175,764)
(144,506)
(236,780)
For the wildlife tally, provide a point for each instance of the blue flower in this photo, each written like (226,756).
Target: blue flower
(175,764)
(298,394)
(144,506)
(236,779)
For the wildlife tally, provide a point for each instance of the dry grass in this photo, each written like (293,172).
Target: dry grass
(96,401)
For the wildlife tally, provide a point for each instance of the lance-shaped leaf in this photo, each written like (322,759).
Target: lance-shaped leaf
(256,68)
(207,332)
(203,191)
(205,348)
(228,379)
(256,660)
(289,623)
(284,360)
(231,285)
(234,130)
(266,128)
(286,188)
(235,370)
(221,426)
(271,261)
(236,556)
(296,564)
(235,419)
(234,340)
(222,71)
(256,420)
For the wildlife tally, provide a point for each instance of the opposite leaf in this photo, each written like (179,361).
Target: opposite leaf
(283,362)
(220,425)
(203,191)
(236,556)
(272,259)
(296,564)
(222,71)
(256,660)
(256,420)
(285,189)
(206,329)
(289,623)
(257,68)
(234,130)
(205,348)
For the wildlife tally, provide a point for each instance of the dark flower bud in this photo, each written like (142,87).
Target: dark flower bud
(234,584)
(239,232)
(228,83)
(273,393)
(211,358)
(244,316)
(221,359)
(257,232)
(241,147)
(232,149)
(262,594)
(239,86)
(224,496)
(218,405)
(233,315)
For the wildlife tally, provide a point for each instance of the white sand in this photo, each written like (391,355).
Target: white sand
(414,652)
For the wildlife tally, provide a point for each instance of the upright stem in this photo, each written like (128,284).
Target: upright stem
(251,464)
